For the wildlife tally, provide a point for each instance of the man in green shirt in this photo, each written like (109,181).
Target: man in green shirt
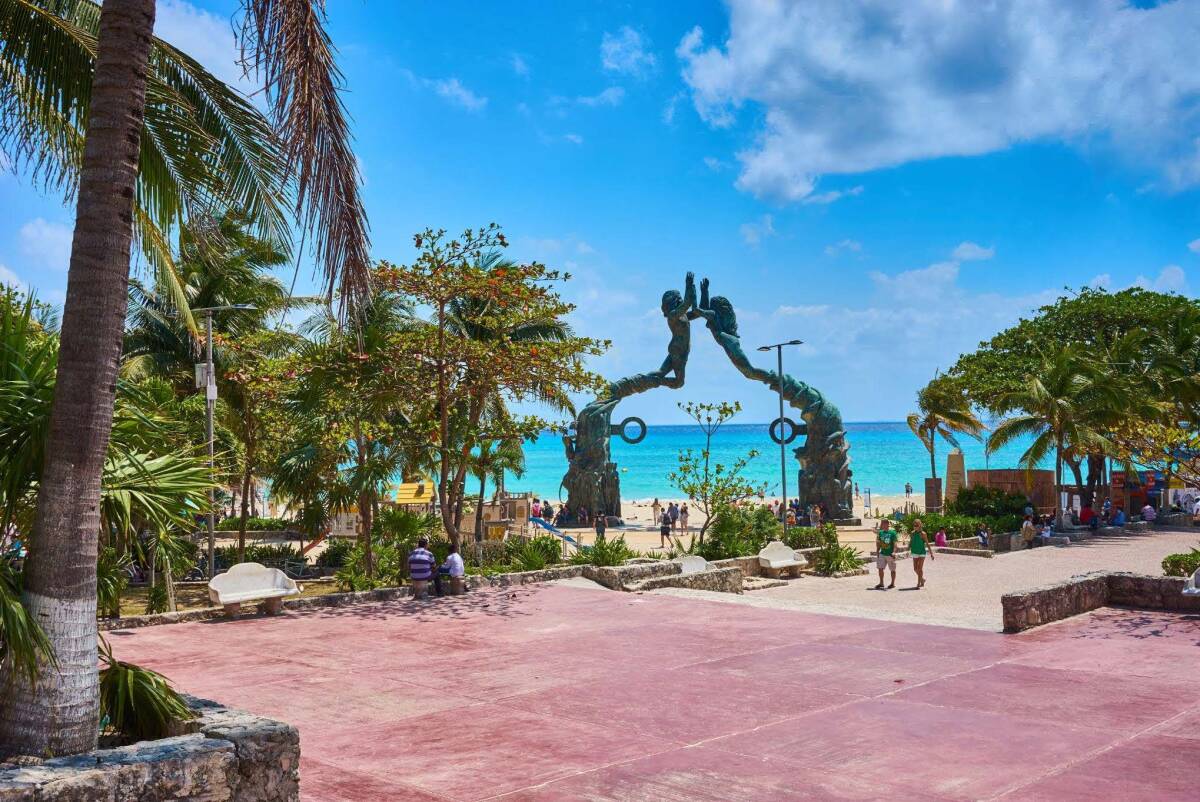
(885,551)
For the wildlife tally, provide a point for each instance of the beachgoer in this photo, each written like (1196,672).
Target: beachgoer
(421,563)
(885,551)
(451,567)
(856,494)
(1118,518)
(1106,508)
(939,537)
(536,511)
(1047,532)
(664,529)
(656,511)
(547,510)
(982,534)
(1028,531)
(601,524)
(1029,509)
(918,545)
(683,518)
(791,517)
(1149,513)
(673,510)
(907,489)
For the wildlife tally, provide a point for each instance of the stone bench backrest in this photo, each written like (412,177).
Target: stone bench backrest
(777,552)
(250,577)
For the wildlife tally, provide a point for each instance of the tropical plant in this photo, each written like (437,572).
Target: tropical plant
(335,554)
(136,702)
(986,502)
(944,411)
(111,580)
(604,552)
(24,647)
(807,537)
(289,49)
(1059,405)
(833,558)
(709,485)
(494,459)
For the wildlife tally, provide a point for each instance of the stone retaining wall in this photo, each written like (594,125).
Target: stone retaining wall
(1086,592)
(226,755)
(721,580)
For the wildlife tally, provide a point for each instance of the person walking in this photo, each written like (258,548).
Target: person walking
(536,510)
(1028,531)
(673,510)
(918,546)
(656,511)
(601,524)
(664,529)
(683,519)
(885,551)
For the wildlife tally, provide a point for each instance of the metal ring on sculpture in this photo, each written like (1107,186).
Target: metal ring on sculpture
(793,430)
(620,430)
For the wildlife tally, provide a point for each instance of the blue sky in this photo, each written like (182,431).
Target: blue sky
(889,182)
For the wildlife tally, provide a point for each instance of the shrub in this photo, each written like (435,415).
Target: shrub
(336,552)
(255,524)
(1184,564)
(529,558)
(738,532)
(809,537)
(137,702)
(396,532)
(604,552)
(834,559)
(272,554)
(961,525)
(981,501)
(111,580)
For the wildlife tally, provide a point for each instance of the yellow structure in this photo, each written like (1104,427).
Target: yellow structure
(414,494)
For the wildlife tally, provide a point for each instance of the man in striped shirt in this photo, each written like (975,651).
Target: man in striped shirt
(421,563)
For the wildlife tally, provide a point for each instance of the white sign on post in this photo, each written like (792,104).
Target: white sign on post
(201,375)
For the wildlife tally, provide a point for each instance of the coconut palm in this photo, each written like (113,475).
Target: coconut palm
(1064,406)
(943,411)
(290,51)
(493,460)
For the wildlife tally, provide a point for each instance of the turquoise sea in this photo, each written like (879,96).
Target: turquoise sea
(883,455)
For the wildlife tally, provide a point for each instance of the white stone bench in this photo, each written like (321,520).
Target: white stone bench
(778,559)
(251,582)
(1193,585)
(691,564)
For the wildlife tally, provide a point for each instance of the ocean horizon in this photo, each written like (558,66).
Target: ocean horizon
(883,455)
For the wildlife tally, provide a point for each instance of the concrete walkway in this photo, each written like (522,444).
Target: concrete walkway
(966,591)
(565,693)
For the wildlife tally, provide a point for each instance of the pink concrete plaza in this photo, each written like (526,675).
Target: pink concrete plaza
(557,692)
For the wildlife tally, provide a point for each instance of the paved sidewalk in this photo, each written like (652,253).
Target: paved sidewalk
(966,591)
(564,693)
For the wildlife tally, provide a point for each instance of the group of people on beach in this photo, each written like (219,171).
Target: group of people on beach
(669,518)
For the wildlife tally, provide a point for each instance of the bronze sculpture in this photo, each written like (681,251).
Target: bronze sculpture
(592,480)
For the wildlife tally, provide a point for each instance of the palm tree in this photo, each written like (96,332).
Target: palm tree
(493,460)
(1064,406)
(943,411)
(290,50)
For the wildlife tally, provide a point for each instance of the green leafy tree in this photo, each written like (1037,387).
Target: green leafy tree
(944,411)
(708,484)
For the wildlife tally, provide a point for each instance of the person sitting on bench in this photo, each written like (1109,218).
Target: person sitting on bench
(451,567)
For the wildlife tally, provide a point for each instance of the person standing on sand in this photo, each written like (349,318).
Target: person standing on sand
(601,524)
(664,530)
(673,511)
(918,545)
(656,511)
(885,551)
(683,519)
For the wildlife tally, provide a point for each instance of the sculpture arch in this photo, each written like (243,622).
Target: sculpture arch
(592,479)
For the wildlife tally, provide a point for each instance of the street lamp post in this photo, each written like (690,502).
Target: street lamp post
(210,403)
(783,437)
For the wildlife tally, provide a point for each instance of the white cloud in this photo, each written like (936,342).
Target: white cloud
(9,278)
(971,252)
(671,106)
(452,90)
(46,244)
(626,52)
(1101,282)
(715,164)
(584,248)
(849,87)
(1171,279)
(832,195)
(204,36)
(519,65)
(1194,246)
(843,246)
(612,96)
(754,233)
(574,139)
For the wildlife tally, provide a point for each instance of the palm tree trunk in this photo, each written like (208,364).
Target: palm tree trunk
(932,460)
(1058,473)
(479,510)
(61,716)
(246,478)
